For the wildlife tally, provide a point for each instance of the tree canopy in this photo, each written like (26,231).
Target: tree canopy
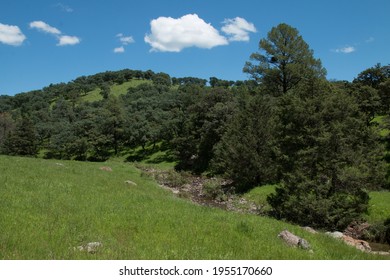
(284,60)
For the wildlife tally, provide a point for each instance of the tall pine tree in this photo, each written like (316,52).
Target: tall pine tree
(284,61)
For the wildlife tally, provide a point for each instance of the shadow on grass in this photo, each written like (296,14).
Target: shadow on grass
(140,155)
(151,155)
(161,158)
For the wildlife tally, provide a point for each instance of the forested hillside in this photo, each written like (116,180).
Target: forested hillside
(324,143)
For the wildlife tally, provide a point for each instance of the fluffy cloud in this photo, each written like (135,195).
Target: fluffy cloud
(238,29)
(347,49)
(119,50)
(63,40)
(173,35)
(11,35)
(44,27)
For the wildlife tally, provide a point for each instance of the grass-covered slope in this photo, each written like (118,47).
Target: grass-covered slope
(48,208)
(115,90)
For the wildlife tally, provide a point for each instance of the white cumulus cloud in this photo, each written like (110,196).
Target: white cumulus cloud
(11,35)
(173,35)
(347,49)
(65,40)
(44,27)
(238,29)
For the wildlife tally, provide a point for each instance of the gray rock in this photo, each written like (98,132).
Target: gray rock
(309,229)
(335,234)
(293,240)
(130,183)
(106,168)
(303,244)
(91,247)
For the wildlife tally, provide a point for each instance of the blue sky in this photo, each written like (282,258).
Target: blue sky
(52,41)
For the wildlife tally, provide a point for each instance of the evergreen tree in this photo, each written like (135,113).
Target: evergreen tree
(284,61)
(22,141)
(6,126)
(329,158)
(246,153)
(202,128)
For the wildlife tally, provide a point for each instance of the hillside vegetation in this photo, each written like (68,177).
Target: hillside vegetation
(115,90)
(321,146)
(48,208)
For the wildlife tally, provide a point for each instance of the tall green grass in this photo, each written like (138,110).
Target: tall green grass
(48,208)
(379,207)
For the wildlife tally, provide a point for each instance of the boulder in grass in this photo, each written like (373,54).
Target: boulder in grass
(129,182)
(106,168)
(359,244)
(91,247)
(335,234)
(309,229)
(293,240)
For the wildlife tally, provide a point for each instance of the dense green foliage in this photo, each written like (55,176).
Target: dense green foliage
(246,152)
(288,125)
(329,158)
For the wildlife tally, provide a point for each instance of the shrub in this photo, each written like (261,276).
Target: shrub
(379,232)
(176,179)
(318,206)
(213,189)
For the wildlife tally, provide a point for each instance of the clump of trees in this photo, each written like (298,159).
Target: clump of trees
(287,125)
(316,140)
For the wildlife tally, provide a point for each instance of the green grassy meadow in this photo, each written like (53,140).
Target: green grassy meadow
(49,207)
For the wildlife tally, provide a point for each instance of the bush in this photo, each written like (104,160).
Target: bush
(318,206)
(213,189)
(379,232)
(176,179)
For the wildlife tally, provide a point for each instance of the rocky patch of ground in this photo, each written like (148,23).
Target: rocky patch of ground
(212,192)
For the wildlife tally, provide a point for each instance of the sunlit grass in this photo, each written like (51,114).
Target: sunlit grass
(379,208)
(116,90)
(48,208)
(259,195)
